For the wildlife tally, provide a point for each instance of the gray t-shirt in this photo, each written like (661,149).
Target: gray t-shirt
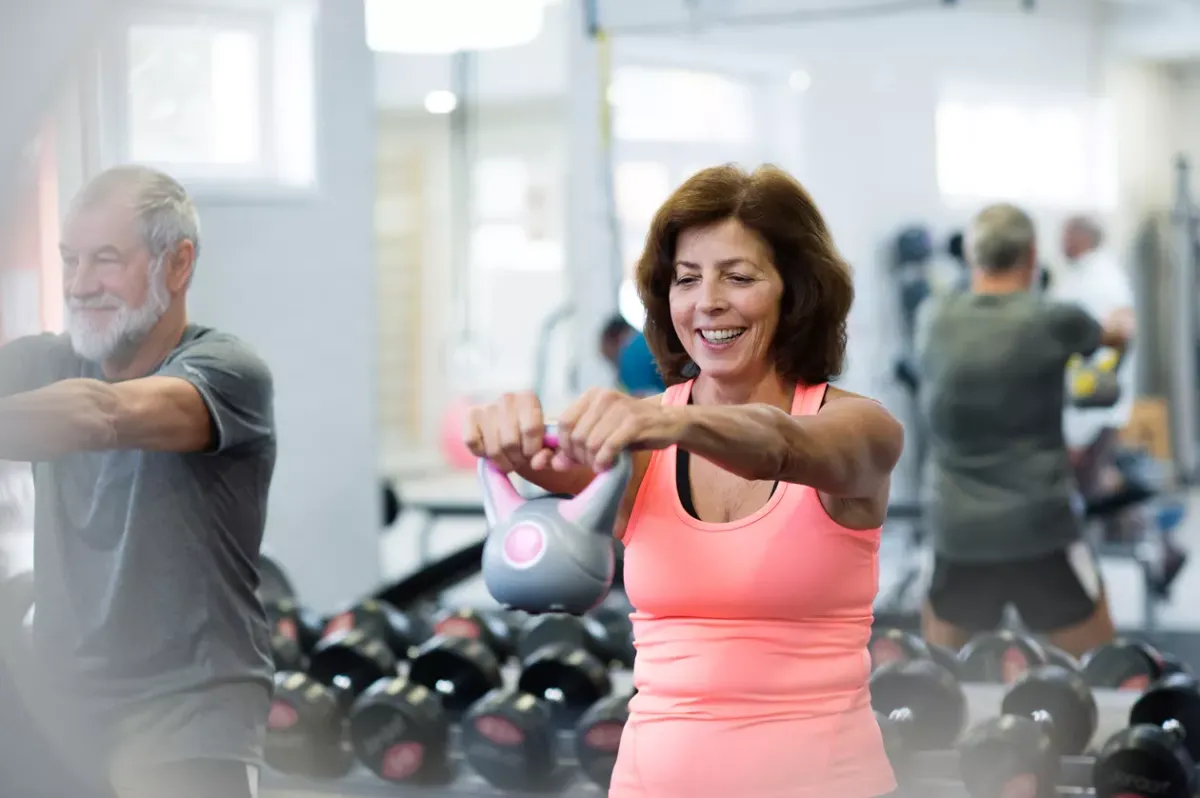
(992,392)
(146,621)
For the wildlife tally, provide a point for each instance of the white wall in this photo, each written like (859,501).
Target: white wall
(296,279)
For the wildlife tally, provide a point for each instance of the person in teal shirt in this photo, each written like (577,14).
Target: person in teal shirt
(626,348)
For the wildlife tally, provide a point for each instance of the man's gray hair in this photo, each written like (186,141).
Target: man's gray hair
(1000,237)
(166,214)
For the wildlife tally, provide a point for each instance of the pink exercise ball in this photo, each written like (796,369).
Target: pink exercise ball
(453,449)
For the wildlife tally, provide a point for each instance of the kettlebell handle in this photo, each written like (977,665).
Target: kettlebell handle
(599,500)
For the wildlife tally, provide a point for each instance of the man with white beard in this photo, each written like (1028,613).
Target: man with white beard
(153,446)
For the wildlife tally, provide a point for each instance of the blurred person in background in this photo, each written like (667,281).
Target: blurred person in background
(153,446)
(626,349)
(1092,278)
(992,363)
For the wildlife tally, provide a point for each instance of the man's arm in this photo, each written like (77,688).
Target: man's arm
(848,449)
(212,397)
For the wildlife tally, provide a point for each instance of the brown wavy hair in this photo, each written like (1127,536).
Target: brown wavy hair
(818,288)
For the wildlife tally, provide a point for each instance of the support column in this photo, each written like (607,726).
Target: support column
(593,271)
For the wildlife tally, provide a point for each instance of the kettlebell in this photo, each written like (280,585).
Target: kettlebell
(551,554)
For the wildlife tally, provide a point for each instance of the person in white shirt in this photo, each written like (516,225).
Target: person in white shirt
(1093,278)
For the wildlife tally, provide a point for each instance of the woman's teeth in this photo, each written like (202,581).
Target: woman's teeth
(721,336)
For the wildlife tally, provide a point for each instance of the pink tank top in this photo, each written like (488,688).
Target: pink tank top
(751,638)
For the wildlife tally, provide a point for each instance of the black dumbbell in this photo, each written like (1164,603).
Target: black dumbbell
(944,657)
(286,654)
(569,678)
(350,662)
(598,632)
(306,733)
(402,632)
(490,628)
(999,657)
(611,636)
(598,737)
(1157,754)
(922,704)
(459,670)
(400,732)
(509,738)
(1048,713)
(1125,664)
(895,645)
(1056,656)
(288,618)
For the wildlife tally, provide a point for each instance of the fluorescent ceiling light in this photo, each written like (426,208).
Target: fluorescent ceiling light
(440,102)
(450,26)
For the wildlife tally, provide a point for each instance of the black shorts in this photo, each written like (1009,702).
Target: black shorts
(1052,592)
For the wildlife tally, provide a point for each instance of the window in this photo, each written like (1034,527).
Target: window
(220,97)
(1051,154)
(193,97)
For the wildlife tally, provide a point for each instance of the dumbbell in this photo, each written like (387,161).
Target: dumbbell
(1126,664)
(402,632)
(459,670)
(569,678)
(611,635)
(999,657)
(897,645)
(306,729)
(509,738)
(604,632)
(1048,713)
(400,732)
(1056,656)
(490,628)
(598,737)
(1157,754)
(921,705)
(350,662)
(288,619)
(286,654)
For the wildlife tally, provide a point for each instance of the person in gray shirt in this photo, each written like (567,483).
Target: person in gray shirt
(153,446)
(1002,509)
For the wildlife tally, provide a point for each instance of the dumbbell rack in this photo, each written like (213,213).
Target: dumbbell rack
(930,775)
(361,783)
(933,775)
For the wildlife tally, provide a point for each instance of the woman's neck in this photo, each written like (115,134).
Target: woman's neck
(769,389)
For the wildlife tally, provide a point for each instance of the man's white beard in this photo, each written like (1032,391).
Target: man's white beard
(121,332)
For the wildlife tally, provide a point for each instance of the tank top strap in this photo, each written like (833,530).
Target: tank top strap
(808,398)
(677,394)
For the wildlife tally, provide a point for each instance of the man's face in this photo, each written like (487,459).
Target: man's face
(610,347)
(1076,241)
(115,292)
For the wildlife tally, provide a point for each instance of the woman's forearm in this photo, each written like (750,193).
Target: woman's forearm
(68,416)
(848,450)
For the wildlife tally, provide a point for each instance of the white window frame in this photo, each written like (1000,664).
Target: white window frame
(208,182)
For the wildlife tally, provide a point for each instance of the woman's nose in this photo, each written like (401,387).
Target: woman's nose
(712,297)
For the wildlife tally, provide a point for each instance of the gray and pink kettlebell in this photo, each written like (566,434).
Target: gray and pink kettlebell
(551,554)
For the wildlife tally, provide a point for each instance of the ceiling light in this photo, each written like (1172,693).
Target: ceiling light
(450,26)
(440,102)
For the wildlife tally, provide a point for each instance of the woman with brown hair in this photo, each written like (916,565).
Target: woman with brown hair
(751,525)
